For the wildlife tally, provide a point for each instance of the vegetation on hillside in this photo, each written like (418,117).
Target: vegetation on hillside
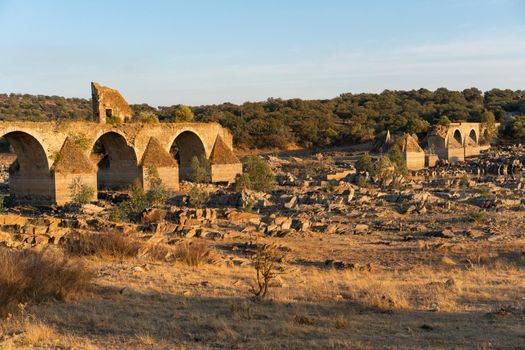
(277,123)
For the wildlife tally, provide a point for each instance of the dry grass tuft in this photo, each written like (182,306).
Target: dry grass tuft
(102,245)
(31,276)
(194,253)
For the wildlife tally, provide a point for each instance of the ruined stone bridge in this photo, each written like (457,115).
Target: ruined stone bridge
(51,156)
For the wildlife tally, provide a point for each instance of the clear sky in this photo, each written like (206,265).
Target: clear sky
(211,51)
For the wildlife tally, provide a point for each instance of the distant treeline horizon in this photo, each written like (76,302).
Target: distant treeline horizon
(279,123)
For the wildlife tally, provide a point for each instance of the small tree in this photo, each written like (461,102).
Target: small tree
(488,121)
(396,157)
(444,121)
(147,117)
(157,193)
(260,174)
(384,168)
(364,163)
(242,182)
(198,198)
(264,261)
(80,192)
(183,114)
(199,170)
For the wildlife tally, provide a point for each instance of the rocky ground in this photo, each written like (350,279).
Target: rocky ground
(434,259)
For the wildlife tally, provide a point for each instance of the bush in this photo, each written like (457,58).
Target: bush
(260,175)
(147,117)
(198,197)
(157,193)
(113,120)
(265,263)
(194,253)
(515,128)
(80,192)
(478,216)
(242,182)
(200,170)
(384,168)
(364,164)
(31,276)
(183,114)
(396,157)
(133,207)
(138,201)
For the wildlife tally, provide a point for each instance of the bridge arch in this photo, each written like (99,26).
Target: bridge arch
(30,177)
(473,137)
(185,146)
(116,161)
(457,139)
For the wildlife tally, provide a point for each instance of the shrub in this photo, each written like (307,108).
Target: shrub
(83,141)
(200,170)
(147,117)
(113,120)
(242,182)
(31,276)
(248,206)
(157,193)
(194,253)
(260,174)
(478,216)
(138,201)
(80,192)
(515,127)
(396,157)
(183,114)
(264,261)
(364,163)
(2,205)
(198,197)
(384,168)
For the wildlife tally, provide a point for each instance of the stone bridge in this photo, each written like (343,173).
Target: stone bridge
(52,156)
(457,141)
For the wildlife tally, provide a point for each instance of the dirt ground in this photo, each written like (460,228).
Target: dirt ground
(403,283)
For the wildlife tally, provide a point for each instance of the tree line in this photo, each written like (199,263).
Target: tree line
(278,123)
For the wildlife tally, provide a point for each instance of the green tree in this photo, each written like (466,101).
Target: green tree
(364,163)
(183,114)
(147,117)
(260,175)
(488,121)
(396,157)
(200,170)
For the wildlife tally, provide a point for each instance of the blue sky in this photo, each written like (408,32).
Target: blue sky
(200,52)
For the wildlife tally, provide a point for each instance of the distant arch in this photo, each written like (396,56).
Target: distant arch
(116,161)
(30,177)
(473,137)
(458,138)
(184,148)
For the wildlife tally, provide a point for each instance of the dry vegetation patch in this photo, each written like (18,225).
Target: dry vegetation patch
(34,276)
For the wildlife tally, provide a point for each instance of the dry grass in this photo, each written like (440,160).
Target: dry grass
(31,276)
(194,253)
(102,245)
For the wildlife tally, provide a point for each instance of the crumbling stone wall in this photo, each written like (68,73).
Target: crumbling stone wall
(109,102)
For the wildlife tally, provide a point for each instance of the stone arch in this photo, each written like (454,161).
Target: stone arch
(473,137)
(116,161)
(184,147)
(30,177)
(457,139)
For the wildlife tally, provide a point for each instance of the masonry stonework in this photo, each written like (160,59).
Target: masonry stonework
(46,164)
